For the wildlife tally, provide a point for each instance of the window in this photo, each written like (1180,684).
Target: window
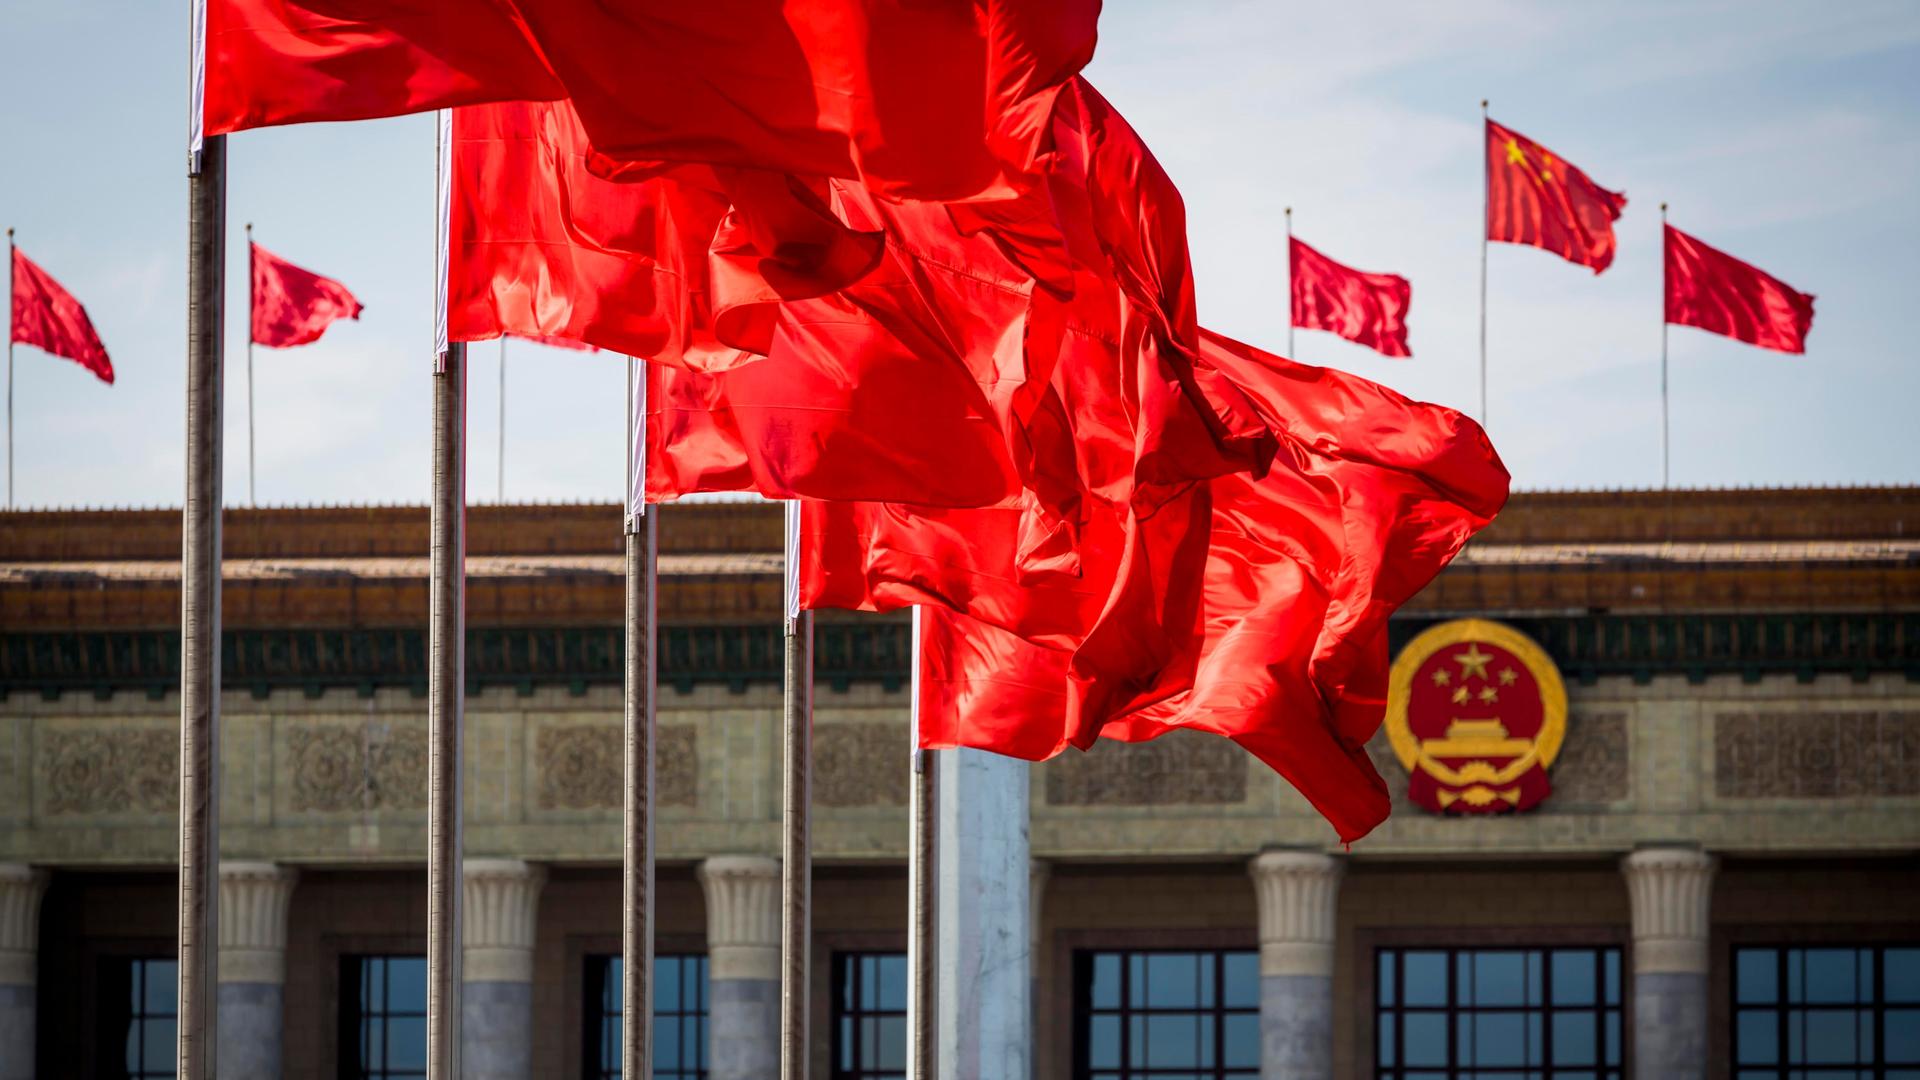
(1529,1014)
(1826,1013)
(139,1016)
(383,1017)
(679,1017)
(1140,1014)
(869,1016)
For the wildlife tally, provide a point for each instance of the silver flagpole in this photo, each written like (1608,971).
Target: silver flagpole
(11,285)
(637,852)
(1290,352)
(1486,209)
(921,975)
(446,672)
(500,480)
(796,854)
(251,501)
(1666,460)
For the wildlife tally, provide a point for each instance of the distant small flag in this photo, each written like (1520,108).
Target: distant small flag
(46,316)
(1536,198)
(1713,291)
(292,306)
(1369,309)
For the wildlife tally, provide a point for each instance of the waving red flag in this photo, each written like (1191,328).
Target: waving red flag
(1712,290)
(292,306)
(1370,309)
(46,316)
(1535,197)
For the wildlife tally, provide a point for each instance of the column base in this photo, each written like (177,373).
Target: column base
(16,1032)
(1296,1027)
(743,1025)
(1669,1025)
(496,1031)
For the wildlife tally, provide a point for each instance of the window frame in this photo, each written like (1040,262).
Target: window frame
(594,967)
(349,1016)
(1080,984)
(836,1012)
(115,1020)
(1874,1064)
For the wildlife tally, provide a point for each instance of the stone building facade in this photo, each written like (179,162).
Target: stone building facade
(1721,882)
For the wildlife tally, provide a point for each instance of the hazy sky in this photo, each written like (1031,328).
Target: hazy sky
(1785,133)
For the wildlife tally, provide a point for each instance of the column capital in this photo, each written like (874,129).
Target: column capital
(743,916)
(1298,892)
(253,921)
(21,887)
(499,924)
(1671,893)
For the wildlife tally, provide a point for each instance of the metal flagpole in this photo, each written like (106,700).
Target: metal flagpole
(11,285)
(1290,353)
(446,672)
(636,852)
(1666,473)
(1486,204)
(500,480)
(200,614)
(796,847)
(251,501)
(921,975)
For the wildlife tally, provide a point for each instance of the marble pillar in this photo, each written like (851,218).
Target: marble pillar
(743,966)
(252,967)
(1671,892)
(21,888)
(502,898)
(983,930)
(1298,894)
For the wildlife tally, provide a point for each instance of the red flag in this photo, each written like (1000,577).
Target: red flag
(1534,197)
(47,316)
(1370,309)
(292,61)
(292,306)
(1714,291)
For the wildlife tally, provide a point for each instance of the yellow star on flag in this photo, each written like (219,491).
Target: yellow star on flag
(1440,677)
(1473,663)
(1489,695)
(1507,676)
(1460,696)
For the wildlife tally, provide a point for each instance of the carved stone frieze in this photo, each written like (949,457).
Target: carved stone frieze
(580,766)
(1824,755)
(111,771)
(372,766)
(1592,766)
(860,764)
(1181,768)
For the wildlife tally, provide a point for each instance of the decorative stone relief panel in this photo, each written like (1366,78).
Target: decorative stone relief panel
(1816,755)
(1592,766)
(1176,769)
(582,767)
(357,767)
(111,771)
(858,764)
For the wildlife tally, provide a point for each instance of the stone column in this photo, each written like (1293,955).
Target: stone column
(21,888)
(1671,891)
(743,966)
(502,899)
(1299,892)
(983,932)
(253,966)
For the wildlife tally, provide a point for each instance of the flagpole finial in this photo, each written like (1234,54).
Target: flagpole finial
(1483,104)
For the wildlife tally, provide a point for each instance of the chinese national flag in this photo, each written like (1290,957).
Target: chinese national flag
(46,316)
(1536,198)
(1712,290)
(292,306)
(1370,309)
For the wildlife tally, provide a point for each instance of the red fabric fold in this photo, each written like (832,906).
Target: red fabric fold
(46,316)
(1710,289)
(292,306)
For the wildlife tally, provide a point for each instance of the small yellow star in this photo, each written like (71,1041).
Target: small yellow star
(1507,676)
(1441,677)
(1460,696)
(1489,695)
(1473,662)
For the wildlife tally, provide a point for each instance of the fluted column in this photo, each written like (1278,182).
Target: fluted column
(21,888)
(502,908)
(1299,892)
(252,966)
(1671,892)
(743,966)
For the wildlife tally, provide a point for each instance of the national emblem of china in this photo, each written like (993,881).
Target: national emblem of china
(1476,712)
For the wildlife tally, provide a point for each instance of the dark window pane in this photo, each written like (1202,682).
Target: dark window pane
(1172,981)
(1499,1039)
(1425,975)
(1103,1042)
(1902,1037)
(1105,992)
(1613,976)
(163,984)
(1388,1041)
(1574,977)
(893,980)
(1240,978)
(407,984)
(1173,1041)
(1384,980)
(1902,976)
(1425,1039)
(157,1047)
(1830,1037)
(666,984)
(1757,1038)
(1830,976)
(1756,976)
(1499,979)
(1574,1041)
(407,1043)
(1613,1038)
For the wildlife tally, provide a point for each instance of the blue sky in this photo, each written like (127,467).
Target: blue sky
(1785,133)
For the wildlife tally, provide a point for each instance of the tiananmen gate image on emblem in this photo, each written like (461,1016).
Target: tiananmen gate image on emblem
(1476,711)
